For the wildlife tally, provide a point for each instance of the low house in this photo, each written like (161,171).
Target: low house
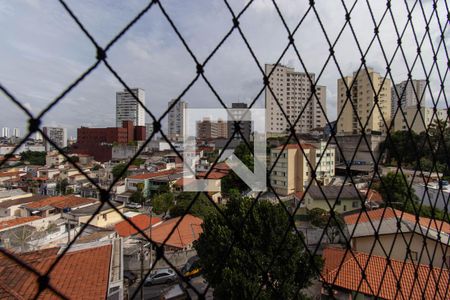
(342,198)
(13,208)
(388,231)
(56,205)
(152,181)
(382,278)
(89,271)
(182,238)
(105,216)
(6,195)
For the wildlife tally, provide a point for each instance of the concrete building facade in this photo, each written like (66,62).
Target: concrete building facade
(292,172)
(177,120)
(207,129)
(128,109)
(363,89)
(408,93)
(413,118)
(58,135)
(294,92)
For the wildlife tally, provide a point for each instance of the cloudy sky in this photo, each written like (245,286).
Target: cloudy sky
(42,51)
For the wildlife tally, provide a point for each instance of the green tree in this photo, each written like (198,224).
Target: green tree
(162,203)
(117,170)
(61,186)
(248,268)
(395,190)
(232,181)
(33,157)
(319,218)
(201,208)
(138,196)
(138,161)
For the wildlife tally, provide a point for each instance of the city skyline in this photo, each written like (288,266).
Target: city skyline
(151,56)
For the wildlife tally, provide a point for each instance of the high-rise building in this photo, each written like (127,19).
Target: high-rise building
(16,132)
(238,111)
(293,90)
(38,136)
(176,120)
(408,93)
(364,88)
(128,109)
(419,120)
(148,130)
(207,129)
(5,132)
(58,135)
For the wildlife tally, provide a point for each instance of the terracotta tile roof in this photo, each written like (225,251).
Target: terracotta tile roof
(9,203)
(187,231)
(17,221)
(375,215)
(397,281)
(124,228)
(154,174)
(80,274)
(182,181)
(11,174)
(61,202)
(212,175)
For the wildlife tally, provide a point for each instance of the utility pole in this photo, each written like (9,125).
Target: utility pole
(142,268)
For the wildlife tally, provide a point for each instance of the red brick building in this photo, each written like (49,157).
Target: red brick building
(98,142)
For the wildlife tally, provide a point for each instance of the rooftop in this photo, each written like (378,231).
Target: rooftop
(81,274)
(296,146)
(154,174)
(91,209)
(185,234)
(12,193)
(9,203)
(332,192)
(389,215)
(124,228)
(393,280)
(60,202)
(17,221)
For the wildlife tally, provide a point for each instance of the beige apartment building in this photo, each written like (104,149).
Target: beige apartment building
(292,172)
(363,96)
(293,90)
(413,118)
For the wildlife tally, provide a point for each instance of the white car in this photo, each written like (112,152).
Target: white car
(162,276)
(133,205)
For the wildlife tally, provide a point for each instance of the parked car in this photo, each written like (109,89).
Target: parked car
(192,267)
(133,205)
(162,276)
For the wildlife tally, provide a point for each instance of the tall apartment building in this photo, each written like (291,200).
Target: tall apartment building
(413,118)
(408,93)
(363,96)
(58,135)
(5,132)
(128,109)
(237,112)
(292,171)
(207,129)
(294,93)
(177,120)
(16,132)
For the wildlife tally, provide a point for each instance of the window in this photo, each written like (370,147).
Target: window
(355,204)
(413,255)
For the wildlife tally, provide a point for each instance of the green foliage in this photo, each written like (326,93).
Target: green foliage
(320,218)
(162,203)
(96,167)
(33,157)
(138,161)
(397,194)
(232,181)
(137,196)
(429,150)
(61,187)
(241,274)
(201,208)
(117,169)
